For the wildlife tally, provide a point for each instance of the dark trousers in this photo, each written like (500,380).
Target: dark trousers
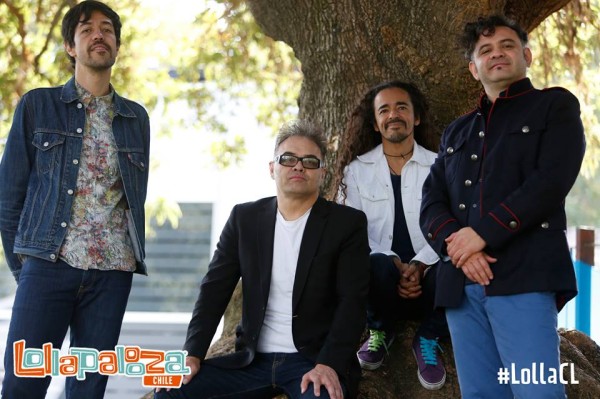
(268,375)
(386,307)
(50,298)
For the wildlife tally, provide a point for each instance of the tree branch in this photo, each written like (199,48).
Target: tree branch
(55,21)
(530,13)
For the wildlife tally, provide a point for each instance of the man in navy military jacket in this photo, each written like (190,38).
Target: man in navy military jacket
(493,209)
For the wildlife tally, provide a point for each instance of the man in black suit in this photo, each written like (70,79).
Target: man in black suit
(304,266)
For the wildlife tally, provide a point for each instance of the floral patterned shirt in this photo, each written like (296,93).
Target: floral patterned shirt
(97,235)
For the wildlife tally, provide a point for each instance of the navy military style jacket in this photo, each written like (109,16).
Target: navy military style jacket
(505,170)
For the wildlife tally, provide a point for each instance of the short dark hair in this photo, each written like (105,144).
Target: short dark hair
(486,26)
(303,128)
(86,8)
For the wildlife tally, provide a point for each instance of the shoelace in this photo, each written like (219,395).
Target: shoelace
(429,349)
(376,339)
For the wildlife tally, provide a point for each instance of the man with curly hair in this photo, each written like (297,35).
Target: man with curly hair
(494,210)
(381,169)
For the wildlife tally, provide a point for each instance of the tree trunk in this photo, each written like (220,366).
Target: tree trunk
(347,46)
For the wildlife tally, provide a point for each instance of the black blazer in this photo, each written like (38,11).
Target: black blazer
(330,287)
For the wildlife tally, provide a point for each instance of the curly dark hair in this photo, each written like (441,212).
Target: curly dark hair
(486,26)
(360,135)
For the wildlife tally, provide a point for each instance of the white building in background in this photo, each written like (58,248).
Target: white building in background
(187,171)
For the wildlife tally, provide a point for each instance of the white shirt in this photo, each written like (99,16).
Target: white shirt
(369,188)
(276,333)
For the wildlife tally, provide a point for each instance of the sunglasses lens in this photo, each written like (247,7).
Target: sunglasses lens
(311,163)
(288,160)
(291,161)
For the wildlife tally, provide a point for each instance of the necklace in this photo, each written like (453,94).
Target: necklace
(392,170)
(403,156)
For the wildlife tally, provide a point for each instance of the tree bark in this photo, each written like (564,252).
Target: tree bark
(347,46)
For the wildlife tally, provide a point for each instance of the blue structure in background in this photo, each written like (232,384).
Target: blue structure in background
(584,260)
(583,300)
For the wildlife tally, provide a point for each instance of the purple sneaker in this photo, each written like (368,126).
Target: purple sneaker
(431,372)
(371,353)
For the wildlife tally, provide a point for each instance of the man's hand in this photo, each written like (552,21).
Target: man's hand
(409,286)
(323,375)
(194,364)
(462,244)
(477,268)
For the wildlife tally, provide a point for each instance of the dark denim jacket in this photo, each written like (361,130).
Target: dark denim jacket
(38,172)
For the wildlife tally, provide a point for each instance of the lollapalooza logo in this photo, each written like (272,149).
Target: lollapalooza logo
(158,369)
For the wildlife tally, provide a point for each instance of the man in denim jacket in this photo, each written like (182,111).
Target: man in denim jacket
(73,184)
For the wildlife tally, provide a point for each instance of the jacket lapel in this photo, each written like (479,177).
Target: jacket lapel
(265,222)
(310,243)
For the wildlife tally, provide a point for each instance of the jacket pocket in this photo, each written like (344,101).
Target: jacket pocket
(49,148)
(135,177)
(453,156)
(374,192)
(522,145)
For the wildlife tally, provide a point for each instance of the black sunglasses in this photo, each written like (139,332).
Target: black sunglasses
(309,162)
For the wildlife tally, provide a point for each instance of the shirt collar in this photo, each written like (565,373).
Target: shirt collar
(516,88)
(86,97)
(419,155)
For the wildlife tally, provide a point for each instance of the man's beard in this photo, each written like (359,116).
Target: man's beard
(398,137)
(101,65)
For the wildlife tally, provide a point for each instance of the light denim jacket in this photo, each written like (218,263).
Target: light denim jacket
(38,171)
(369,188)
